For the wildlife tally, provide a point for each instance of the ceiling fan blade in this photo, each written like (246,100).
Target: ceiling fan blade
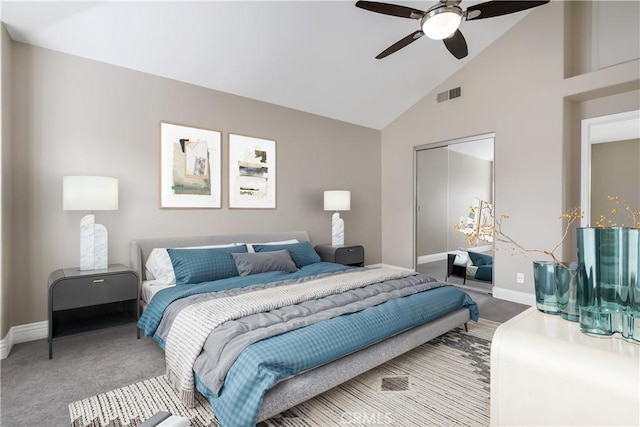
(400,44)
(498,8)
(391,9)
(457,45)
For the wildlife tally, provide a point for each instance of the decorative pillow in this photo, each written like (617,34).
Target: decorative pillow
(281,242)
(254,263)
(301,253)
(484,272)
(159,267)
(480,259)
(462,258)
(204,265)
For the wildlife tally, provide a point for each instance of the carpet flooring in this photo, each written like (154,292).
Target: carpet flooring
(442,382)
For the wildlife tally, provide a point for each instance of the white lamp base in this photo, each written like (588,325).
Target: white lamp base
(93,244)
(337,230)
(101,245)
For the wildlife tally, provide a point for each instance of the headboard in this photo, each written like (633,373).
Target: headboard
(141,249)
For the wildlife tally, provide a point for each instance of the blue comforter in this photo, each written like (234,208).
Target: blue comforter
(150,319)
(262,364)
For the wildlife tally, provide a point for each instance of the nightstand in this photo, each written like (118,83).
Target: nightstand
(352,255)
(82,301)
(455,270)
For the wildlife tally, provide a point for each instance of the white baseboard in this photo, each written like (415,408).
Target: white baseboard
(514,296)
(5,348)
(23,333)
(423,259)
(395,267)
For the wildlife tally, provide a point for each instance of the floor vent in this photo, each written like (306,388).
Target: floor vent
(456,92)
(394,383)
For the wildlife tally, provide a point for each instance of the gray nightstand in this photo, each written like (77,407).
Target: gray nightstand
(82,301)
(347,254)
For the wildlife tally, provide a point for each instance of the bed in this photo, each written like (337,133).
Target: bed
(436,307)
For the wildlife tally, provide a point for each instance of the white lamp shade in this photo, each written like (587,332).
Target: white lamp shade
(337,200)
(89,193)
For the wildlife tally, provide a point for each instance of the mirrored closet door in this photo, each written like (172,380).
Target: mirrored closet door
(454,198)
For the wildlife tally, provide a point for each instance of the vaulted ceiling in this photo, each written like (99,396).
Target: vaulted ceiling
(313,56)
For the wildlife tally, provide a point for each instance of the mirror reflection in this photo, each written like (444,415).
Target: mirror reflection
(454,196)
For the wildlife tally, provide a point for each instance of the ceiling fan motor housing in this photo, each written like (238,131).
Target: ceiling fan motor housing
(441,21)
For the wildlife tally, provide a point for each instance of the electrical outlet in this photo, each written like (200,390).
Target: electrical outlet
(520,278)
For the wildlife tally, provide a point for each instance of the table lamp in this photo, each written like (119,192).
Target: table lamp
(91,193)
(337,200)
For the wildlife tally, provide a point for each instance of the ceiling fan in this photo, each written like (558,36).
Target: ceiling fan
(441,21)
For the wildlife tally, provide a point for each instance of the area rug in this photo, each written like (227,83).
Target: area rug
(442,382)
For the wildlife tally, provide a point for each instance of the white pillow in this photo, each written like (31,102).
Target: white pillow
(282,242)
(462,258)
(158,266)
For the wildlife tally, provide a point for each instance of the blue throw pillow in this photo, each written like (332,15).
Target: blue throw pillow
(484,272)
(301,253)
(479,259)
(204,265)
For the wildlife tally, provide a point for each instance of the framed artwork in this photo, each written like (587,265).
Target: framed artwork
(479,224)
(190,167)
(469,225)
(485,222)
(252,172)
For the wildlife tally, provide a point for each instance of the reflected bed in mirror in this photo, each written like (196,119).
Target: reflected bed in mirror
(610,163)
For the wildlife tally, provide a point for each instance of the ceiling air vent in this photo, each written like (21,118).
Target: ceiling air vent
(456,92)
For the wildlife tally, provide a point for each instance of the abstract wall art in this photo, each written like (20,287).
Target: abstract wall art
(252,172)
(190,167)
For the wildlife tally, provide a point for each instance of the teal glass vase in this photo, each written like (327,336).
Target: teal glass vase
(608,289)
(544,279)
(566,276)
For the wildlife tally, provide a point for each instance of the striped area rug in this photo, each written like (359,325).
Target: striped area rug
(442,382)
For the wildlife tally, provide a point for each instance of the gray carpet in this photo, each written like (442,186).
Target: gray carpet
(36,391)
(442,382)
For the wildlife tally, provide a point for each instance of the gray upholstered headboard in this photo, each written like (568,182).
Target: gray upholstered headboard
(140,249)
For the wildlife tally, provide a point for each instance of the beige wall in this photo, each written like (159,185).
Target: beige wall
(5,184)
(76,116)
(515,88)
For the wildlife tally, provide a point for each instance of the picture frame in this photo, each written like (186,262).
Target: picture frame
(190,167)
(252,172)
(486,222)
(469,225)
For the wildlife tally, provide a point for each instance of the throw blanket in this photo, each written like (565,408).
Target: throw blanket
(194,324)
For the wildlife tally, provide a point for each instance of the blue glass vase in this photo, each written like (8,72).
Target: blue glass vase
(566,275)
(608,289)
(544,279)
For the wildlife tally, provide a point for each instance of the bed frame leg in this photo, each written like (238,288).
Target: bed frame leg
(465,327)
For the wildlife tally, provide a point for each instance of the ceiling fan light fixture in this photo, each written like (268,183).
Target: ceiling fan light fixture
(442,22)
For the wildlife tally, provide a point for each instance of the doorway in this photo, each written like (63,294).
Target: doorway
(454,189)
